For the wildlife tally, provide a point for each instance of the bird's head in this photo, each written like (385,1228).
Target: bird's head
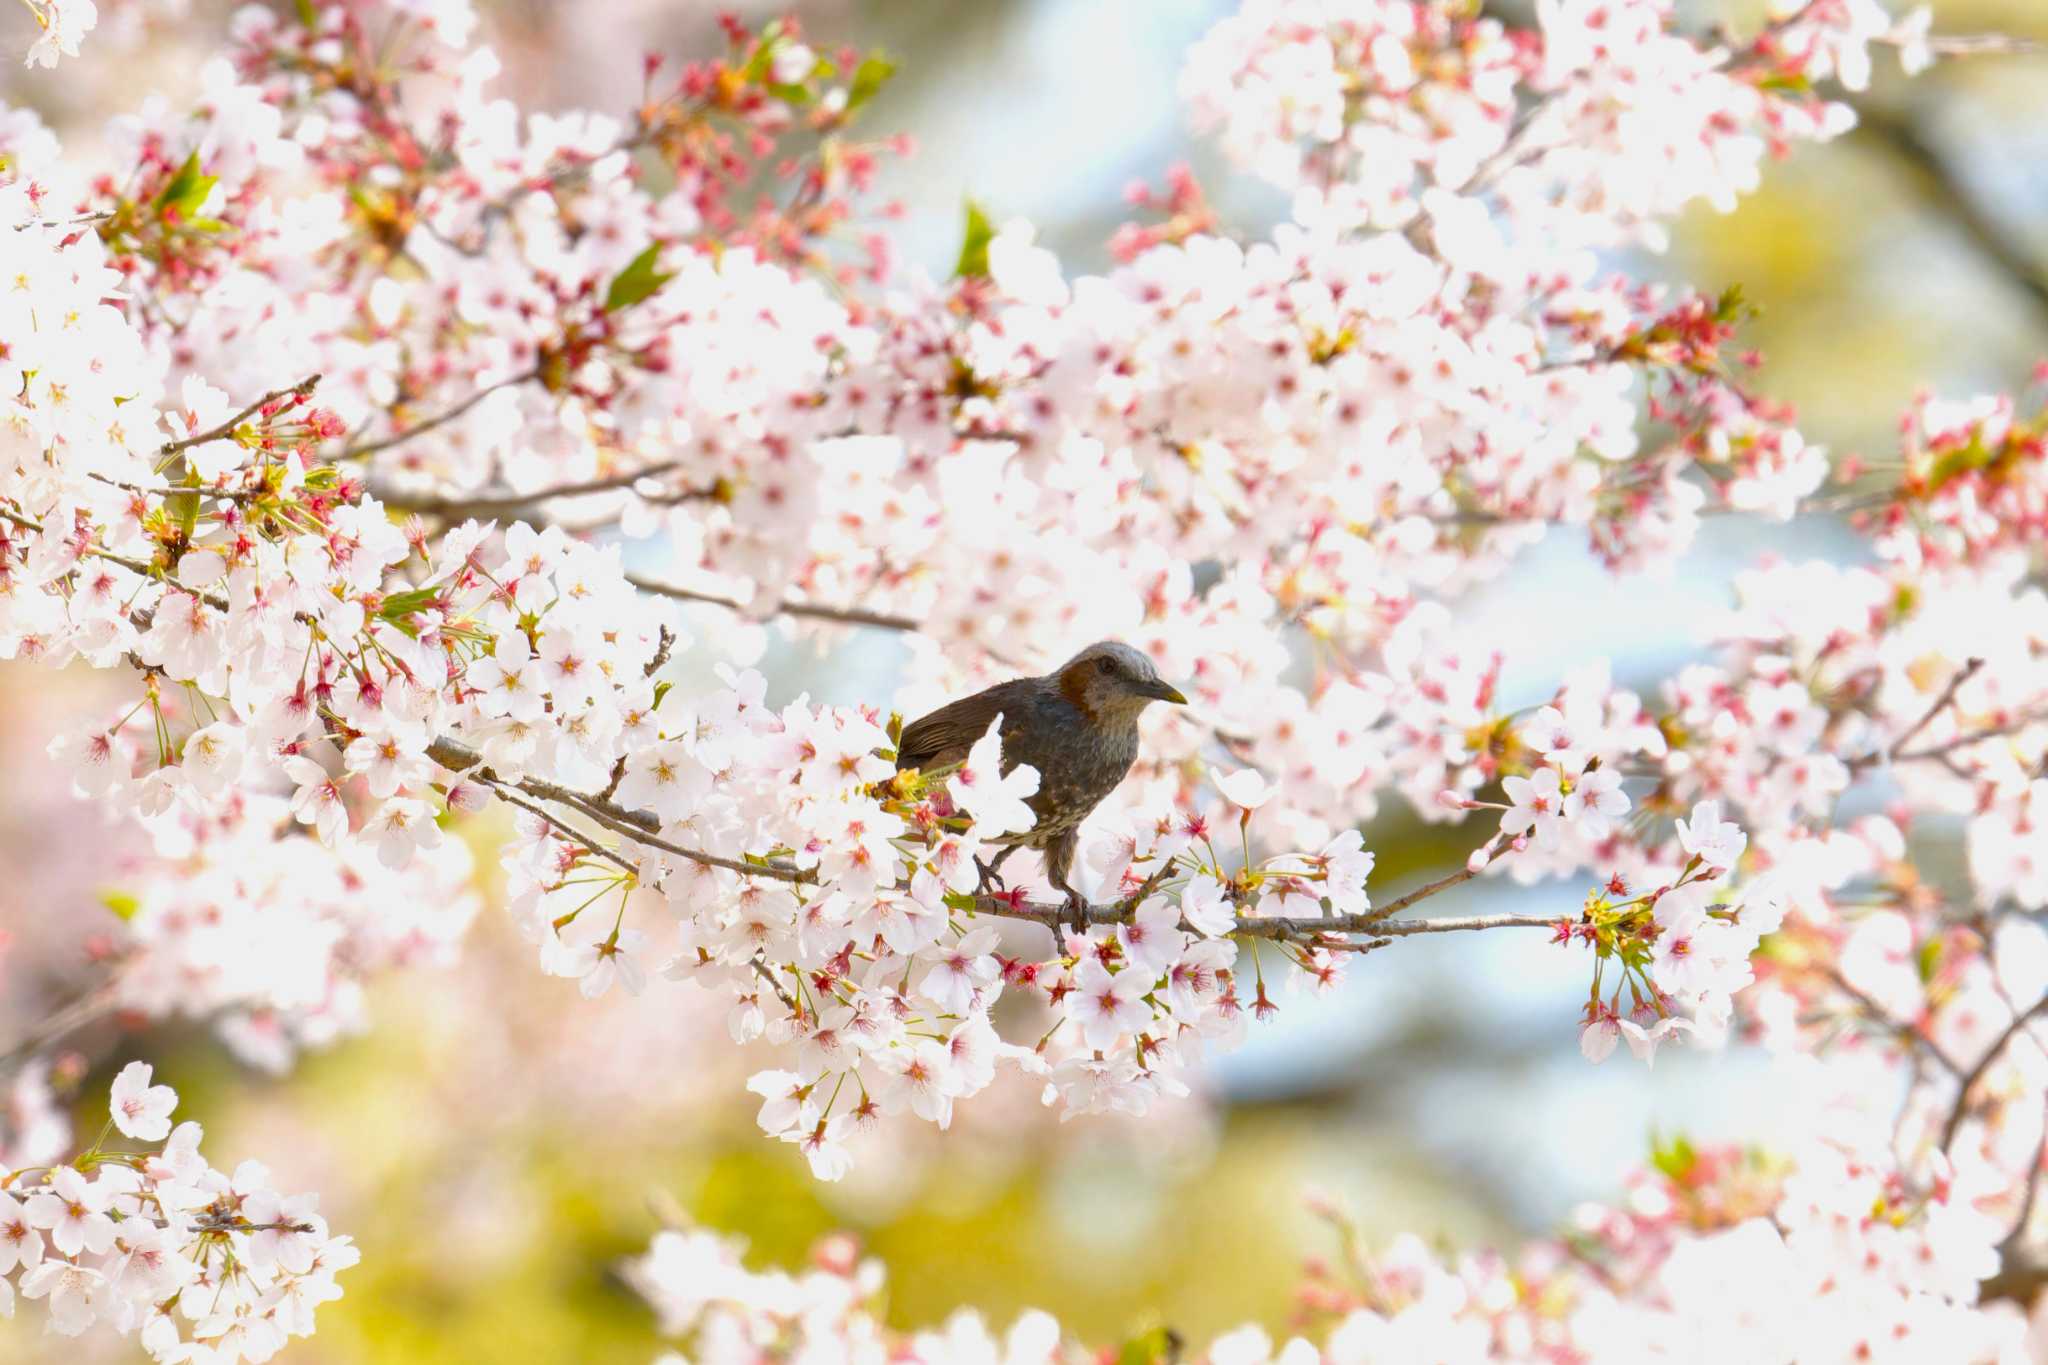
(1111,681)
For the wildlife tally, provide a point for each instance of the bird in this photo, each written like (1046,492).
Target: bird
(1077,725)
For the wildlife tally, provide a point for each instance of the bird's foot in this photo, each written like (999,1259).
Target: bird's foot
(1077,906)
(991,879)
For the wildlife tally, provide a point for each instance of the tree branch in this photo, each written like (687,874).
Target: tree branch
(492,505)
(67,1019)
(644,827)
(1961,1108)
(1290,929)
(1877,1014)
(847,616)
(1945,191)
(364,449)
(1892,751)
(299,390)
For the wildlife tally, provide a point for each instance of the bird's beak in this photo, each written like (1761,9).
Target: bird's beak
(1166,693)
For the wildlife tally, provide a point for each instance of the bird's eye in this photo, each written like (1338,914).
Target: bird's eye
(1106,665)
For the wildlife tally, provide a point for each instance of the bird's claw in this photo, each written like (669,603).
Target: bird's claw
(991,879)
(1077,906)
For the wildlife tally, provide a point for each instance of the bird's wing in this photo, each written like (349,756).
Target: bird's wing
(947,734)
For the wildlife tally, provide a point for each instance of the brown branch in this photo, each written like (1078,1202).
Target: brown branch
(1891,752)
(1947,747)
(491,505)
(644,827)
(1252,926)
(1877,1014)
(1944,189)
(639,825)
(1395,907)
(569,832)
(782,994)
(198,490)
(849,616)
(1961,1108)
(93,1005)
(668,642)
(366,448)
(79,221)
(227,428)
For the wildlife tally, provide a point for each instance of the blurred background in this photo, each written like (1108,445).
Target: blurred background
(493,1143)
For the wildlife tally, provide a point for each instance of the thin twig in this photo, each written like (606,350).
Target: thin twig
(850,616)
(79,221)
(1877,1013)
(761,969)
(1395,907)
(638,825)
(1891,752)
(1253,926)
(299,390)
(1943,750)
(93,1005)
(668,642)
(501,504)
(2010,1247)
(569,832)
(143,490)
(366,448)
(644,827)
(1961,1107)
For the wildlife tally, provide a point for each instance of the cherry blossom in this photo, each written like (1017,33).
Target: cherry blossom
(354,545)
(124,1239)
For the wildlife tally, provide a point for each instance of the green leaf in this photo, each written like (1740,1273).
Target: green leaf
(1975,455)
(1928,959)
(185,191)
(869,77)
(791,94)
(1675,1158)
(307,16)
(183,508)
(1160,1346)
(973,262)
(123,904)
(660,691)
(1731,306)
(1791,83)
(764,51)
(401,604)
(638,280)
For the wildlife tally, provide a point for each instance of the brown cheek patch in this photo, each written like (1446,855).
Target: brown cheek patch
(1074,687)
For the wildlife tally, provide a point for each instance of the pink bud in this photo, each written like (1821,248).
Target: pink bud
(1479,858)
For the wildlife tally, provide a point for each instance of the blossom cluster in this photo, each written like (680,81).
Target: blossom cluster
(1719,1253)
(198,1264)
(254,924)
(337,482)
